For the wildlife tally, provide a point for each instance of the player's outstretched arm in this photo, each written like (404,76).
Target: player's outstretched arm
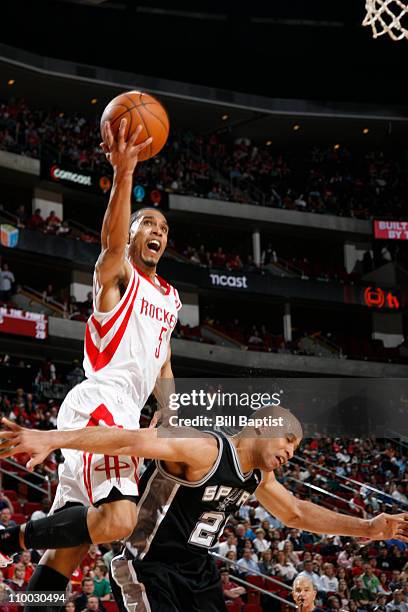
(123,155)
(307,516)
(146,443)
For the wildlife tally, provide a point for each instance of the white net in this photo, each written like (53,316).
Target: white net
(387,17)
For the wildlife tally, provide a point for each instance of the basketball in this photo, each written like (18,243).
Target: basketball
(139,108)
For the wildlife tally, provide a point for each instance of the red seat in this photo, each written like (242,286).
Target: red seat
(110,606)
(19,518)
(252,608)
(233,606)
(30,507)
(256,580)
(12,495)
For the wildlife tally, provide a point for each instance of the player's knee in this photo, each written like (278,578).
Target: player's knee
(118,518)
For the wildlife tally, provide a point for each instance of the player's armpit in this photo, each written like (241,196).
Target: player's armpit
(112,266)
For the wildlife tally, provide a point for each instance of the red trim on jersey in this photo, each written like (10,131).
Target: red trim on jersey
(164,284)
(90,455)
(87,475)
(117,470)
(103,329)
(136,464)
(99,359)
(107,466)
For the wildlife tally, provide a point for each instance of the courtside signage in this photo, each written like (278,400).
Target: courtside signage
(391,230)
(228,280)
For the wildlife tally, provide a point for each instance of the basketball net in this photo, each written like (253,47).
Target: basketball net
(386,17)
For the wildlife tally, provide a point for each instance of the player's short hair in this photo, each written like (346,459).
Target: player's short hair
(135,215)
(291,423)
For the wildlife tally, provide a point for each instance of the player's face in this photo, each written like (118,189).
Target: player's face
(149,238)
(274,452)
(304,594)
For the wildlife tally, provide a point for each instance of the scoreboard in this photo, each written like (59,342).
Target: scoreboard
(22,323)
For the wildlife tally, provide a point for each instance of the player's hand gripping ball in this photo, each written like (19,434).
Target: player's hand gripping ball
(139,108)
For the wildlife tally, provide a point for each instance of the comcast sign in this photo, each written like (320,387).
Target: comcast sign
(228,280)
(58,174)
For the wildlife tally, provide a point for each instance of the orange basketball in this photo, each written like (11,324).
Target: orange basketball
(139,108)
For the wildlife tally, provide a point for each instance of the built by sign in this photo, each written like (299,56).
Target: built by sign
(21,323)
(391,230)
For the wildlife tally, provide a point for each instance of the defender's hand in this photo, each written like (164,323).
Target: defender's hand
(389,526)
(123,155)
(22,440)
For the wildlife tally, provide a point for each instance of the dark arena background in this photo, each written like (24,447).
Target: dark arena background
(285,184)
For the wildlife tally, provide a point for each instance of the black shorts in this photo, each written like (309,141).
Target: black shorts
(161,587)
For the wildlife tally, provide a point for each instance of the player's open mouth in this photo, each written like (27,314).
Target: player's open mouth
(154,245)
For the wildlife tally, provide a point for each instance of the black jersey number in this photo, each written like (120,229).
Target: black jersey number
(207,529)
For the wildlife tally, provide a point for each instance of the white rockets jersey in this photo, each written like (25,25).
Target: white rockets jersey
(128,346)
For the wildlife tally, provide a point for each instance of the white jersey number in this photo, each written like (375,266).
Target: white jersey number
(206,530)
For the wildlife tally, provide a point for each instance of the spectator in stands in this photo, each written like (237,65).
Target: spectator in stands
(328,581)
(231,590)
(260,544)
(115,548)
(370,580)
(219,258)
(36,221)
(63,229)
(88,588)
(5,502)
(94,604)
(343,593)
(308,572)
(359,593)
(292,556)
(397,604)
(18,583)
(45,508)
(5,592)
(5,518)
(246,565)
(25,562)
(266,565)
(284,568)
(102,588)
(229,544)
(70,606)
(7,281)
(52,223)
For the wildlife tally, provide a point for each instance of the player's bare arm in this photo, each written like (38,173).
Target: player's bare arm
(300,514)
(163,389)
(112,269)
(148,443)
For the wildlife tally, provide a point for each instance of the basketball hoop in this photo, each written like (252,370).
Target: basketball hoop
(386,17)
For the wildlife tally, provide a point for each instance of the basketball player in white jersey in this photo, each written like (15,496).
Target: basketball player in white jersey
(127,349)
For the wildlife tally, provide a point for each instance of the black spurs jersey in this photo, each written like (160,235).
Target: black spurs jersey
(188,518)
(166,565)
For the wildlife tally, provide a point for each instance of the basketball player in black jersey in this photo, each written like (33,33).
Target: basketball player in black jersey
(186,497)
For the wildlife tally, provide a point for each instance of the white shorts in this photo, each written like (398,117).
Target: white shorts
(87,478)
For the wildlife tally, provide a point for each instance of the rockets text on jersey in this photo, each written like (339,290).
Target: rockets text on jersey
(128,345)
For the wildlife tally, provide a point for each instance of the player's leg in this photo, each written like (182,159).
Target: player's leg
(72,527)
(54,571)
